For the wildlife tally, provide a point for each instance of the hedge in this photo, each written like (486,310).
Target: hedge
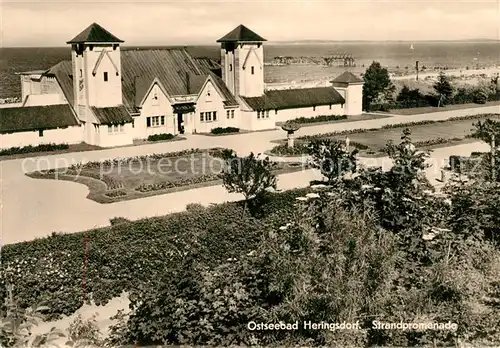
(159,137)
(396,125)
(32,149)
(320,118)
(128,255)
(221,130)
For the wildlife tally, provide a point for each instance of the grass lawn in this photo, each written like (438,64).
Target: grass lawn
(454,130)
(110,182)
(425,110)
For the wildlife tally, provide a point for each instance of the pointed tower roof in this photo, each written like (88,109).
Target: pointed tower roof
(94,33)
(347,77)
(241,33)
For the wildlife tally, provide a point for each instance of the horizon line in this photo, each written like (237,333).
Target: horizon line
(300,41)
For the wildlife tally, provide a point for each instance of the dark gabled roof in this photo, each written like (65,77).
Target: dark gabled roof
(347,77)
(169,66)
(34,118)
(295,98)
(94,33)
(112,115)
(241,34)
(140,68)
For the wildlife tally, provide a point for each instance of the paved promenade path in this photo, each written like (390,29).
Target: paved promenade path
(35,208)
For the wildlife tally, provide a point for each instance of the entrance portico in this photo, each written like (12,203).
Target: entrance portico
(184,117)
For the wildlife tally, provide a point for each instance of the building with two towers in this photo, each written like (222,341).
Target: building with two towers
(107,96)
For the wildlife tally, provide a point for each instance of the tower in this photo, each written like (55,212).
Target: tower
(242,61)
(351,88)
(95,56)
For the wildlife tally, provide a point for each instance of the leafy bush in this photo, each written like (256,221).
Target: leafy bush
(221,130)
(49,269)
(33,149)
(284,150)
(87,331)
(159,137)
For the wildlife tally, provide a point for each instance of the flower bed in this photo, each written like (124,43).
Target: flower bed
(285,150)
(436,141)
(127,160)
(183,182)
(226,130)
(114,194)
(159,137)
(32,149)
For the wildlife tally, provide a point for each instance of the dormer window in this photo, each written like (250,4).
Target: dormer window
(105,76)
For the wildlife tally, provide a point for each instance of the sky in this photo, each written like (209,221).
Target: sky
(42,23)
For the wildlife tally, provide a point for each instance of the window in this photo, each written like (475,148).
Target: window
(253,70)
(133,123)
(258,114)
(81,73)
(267,113)
(40,133)
(208,116)
(230,67)
(330,106)
(110,129)
(314,108)
(155,99)
(162,120)
(227,114)
(115,128)
(202,118)
(232,113)
(214,116)
(342,106)
(275,111)
(148,122)
(105,76)
(155,121)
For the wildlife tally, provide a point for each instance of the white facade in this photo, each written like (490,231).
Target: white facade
(70,135)
(290,114)
(353,95)
(97,83)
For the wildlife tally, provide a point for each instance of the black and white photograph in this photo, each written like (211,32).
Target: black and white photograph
(281,173)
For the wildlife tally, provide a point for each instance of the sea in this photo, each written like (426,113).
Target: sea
(396,56)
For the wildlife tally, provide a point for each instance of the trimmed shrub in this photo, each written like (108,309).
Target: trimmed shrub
(159,137)
(320,118)
(33,149)
(226,130)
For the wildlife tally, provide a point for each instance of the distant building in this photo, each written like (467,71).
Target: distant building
(107,97)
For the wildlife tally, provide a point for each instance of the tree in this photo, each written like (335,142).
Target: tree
(443,88)
(489,132)
(410,97)
(332,158)
(377,86)
(249,175)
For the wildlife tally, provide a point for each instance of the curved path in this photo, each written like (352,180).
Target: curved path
(31,208)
